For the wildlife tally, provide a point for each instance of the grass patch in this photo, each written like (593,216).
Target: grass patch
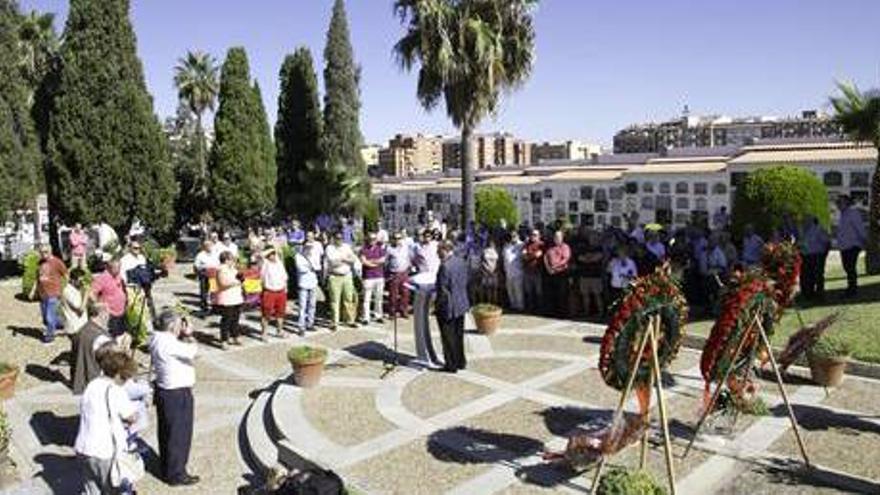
(857,326)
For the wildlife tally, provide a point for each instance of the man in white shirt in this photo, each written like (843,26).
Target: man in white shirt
(273,302)
(173,351)
(229,245)
(130,260)
(851,239)
(340,261)
(205,261)
(512,256)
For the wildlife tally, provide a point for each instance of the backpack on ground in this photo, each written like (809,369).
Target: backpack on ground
(312,482)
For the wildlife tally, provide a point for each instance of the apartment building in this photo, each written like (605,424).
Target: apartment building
(564,150)
(407,155)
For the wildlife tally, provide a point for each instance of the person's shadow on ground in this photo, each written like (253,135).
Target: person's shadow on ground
(61,472)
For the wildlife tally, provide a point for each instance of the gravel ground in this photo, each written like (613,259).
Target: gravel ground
(421,396)
(520,426)
(856,395)
(565,344)
(346,416)
(512,370)
(587,387)
(416,468)
(760,480)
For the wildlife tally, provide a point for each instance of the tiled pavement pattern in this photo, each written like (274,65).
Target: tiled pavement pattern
(480,431)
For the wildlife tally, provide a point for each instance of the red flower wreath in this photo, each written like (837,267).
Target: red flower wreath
(781,263)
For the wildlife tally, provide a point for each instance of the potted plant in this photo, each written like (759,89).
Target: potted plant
(8,377)
(308,364)
(487,318)
(623,482)
(828,358)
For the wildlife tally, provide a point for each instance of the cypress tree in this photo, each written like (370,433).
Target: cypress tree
(109,157)
(267,149)
(239,164)
(19,152)
(342,135)
(297,130)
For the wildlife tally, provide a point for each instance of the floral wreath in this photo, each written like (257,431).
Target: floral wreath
(654,294)
(781,262)
(748,295)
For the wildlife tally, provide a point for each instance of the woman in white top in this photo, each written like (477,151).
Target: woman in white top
(72,298)
(105,409)
(229,299)
(273,302)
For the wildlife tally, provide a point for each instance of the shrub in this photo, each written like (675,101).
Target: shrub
(495,204)
(767,194)
(623,482)
(372,215)
(30,266)
(829,347)
(303,354)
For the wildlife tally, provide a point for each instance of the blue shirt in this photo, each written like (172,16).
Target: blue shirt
(752,246)
(850,230)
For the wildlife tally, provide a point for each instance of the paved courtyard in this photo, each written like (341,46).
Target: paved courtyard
(410,432)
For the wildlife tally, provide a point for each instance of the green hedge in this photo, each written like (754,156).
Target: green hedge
(767,194)
(494,204)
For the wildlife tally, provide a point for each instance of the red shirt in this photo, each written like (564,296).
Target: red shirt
(50,277)
(110,290)
(558,257)
(534,252)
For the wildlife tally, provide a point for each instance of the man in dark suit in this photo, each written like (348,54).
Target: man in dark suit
(451,306)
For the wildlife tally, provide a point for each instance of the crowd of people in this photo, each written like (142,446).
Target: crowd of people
(550,270)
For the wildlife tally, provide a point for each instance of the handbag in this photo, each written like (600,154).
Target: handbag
(125,467)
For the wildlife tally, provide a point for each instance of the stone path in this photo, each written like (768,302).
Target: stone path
(479,431)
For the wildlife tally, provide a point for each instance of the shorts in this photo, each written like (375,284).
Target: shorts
(274,304)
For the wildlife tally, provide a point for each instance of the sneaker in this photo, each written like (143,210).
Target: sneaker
(48,339)
(380,320)
(364,322)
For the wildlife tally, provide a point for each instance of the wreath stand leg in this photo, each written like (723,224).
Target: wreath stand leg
(650,333)
(791,416)
(720,385)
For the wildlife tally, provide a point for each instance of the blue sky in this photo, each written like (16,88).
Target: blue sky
(600,64)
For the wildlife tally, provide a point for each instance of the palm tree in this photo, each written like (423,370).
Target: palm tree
(198,83)
(469,51)
(859,115)
(38,43)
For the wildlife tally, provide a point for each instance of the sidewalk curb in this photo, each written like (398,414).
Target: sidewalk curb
(855,367)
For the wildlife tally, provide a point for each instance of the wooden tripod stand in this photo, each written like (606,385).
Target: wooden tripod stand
(755,325)
(651,333)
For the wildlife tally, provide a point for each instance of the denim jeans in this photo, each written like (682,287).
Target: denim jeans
(49,310)
(307,302)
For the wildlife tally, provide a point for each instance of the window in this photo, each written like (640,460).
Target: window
(682,188)
(601,206)
(665,188)
(858,179)
(548,193)
(536,197)
(601,195)
(587,220)
(737,178)
(682,218)
(719,188)
(648,203)
(682,203)
(701,188)
(616,207)
(573,206)
(833,179)
(615,221)
(632,187)
(389,199)
(586,192)
(647,187)
(616,193)
(559,208)
(702,204)
(663,202)
(859,197)
(573,193)
(601,220)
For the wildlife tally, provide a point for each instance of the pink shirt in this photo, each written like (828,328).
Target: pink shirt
(110,290)
(557,258)
(78,243)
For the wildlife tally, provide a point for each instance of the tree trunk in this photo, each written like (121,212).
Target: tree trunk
(203,165)
(467,178)
(872,257)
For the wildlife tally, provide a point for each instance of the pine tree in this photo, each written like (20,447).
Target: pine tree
(109,157)
(267,149)
(297,130)
(239,165)
(20,158)
(342,138)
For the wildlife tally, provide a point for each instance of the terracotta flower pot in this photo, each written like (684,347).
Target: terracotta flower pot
(7,382)
(307,374)
(827,372)
(488,320)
